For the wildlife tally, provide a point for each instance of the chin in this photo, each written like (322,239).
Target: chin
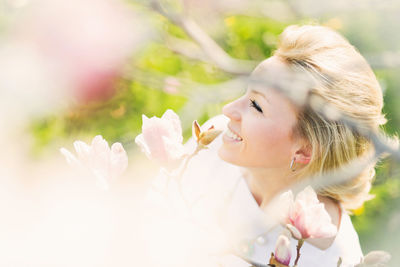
(228,156)
(222,154)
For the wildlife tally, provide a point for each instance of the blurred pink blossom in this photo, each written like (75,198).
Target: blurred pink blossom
(307,215)
(375,258)
(87,43)
(105,163)
(282,250)
(171,85)
(161,138)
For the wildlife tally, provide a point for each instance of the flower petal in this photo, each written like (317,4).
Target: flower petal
(196,130)
(173,119)
(284,205)
(143,145)
(82,150)
(295,233)
(308,195)
(100,145)
(282,250)
(319,223)
(175,151)
(208,136)
(118,160)
(161,138)
(71,159)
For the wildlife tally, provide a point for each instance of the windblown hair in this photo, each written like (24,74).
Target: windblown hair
(343,79)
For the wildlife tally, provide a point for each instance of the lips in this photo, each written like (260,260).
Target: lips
(232,135)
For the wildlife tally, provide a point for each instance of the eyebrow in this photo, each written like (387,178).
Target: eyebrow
(259,93)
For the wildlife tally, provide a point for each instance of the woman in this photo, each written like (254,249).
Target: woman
(280,143)
(274,141)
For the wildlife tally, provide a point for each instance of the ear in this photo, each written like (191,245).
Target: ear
(303,155)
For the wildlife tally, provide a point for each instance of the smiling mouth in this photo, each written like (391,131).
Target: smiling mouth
(232,135)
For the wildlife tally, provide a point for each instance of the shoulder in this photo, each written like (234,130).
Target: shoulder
(347,241)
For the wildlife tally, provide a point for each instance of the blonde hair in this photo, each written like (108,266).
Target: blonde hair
(343,79)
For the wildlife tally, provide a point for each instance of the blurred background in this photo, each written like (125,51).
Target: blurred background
(74,69)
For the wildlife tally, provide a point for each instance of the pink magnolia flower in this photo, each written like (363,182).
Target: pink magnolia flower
(105,163)
(161,138)
(307,215)
(282,250)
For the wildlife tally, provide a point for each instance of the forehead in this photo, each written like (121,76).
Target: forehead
(274,73)
(270,78)
(270,66)
(269,74)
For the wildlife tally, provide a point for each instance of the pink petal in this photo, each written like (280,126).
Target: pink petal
(173,150)
(144,119)
(142,144)
(285,204)
(320,223)
(308,195)
(298,218)
(100,145)
(294,231)
(282,250)
(118,160)
(152,136)
(161,139)
(99,160)
(173,119)
(82,150)
(71,159)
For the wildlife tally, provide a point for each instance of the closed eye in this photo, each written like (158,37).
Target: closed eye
(254,104)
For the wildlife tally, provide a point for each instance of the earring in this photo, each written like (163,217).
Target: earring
(292,163)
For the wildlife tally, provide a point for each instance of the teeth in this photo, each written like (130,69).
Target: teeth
(233,135)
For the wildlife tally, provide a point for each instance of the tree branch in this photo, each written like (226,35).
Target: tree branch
(211,49)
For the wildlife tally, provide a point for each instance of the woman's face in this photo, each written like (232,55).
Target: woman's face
(261,123)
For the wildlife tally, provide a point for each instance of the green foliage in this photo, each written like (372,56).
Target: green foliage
(251,37)
(387,197)
(391,109)
(119,119)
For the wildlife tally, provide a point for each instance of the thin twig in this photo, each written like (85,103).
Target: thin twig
(298,247)
(208,45)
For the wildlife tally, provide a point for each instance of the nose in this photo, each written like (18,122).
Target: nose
(232,111)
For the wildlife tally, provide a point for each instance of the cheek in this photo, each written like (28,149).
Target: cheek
(270,143)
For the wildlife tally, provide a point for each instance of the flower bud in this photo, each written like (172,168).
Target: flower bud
(196,130)
(206,137)
(293,230)
(282,250)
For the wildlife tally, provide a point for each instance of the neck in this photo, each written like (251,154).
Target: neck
(266,184)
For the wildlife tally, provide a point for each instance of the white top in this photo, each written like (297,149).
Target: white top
(223,198)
